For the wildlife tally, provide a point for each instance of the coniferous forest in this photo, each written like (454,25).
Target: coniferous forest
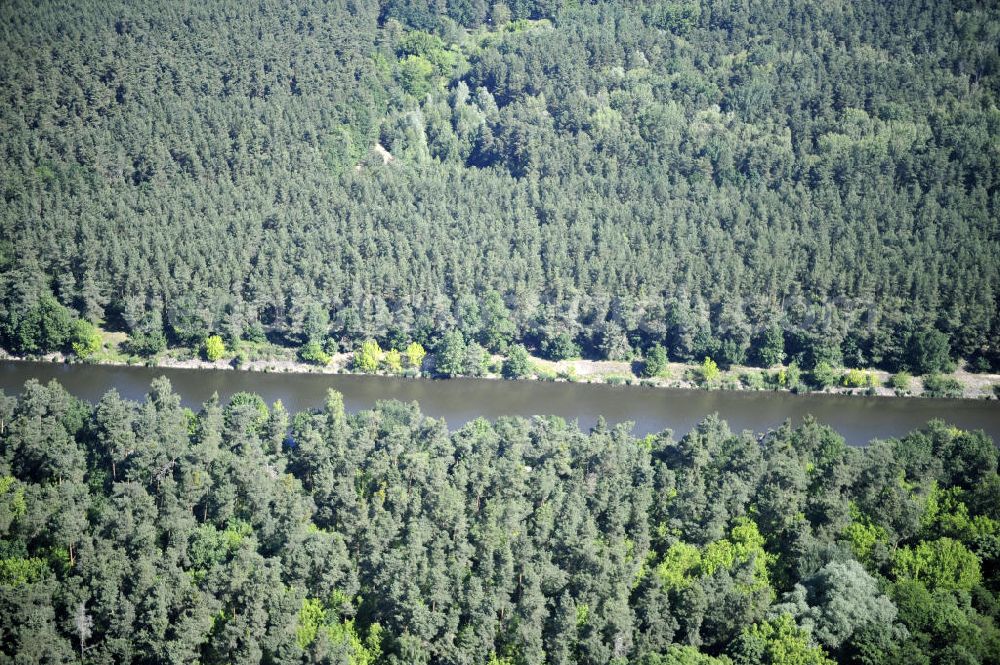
(755,182)
(749,183)
(146,533)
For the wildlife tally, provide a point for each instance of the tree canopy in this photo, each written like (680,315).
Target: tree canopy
(138,532)
(750,183)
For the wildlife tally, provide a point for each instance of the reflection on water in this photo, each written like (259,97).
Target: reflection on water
(858,419)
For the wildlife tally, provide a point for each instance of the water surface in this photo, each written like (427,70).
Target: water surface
(858,419)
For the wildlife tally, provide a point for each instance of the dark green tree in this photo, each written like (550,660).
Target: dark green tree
(517,365)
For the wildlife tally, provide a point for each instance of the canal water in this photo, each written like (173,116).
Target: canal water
(857,419)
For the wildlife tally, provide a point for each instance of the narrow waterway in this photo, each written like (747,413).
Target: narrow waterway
(858,419)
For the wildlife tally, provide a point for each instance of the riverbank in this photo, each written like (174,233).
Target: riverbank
(274,359)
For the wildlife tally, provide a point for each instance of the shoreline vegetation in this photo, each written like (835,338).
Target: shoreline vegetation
(415,362)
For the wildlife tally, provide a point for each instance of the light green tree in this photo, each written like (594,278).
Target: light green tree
(311,617)
(745,545)
(777,642)
(499,15)
(940,564)
(415,355)
(85,340)
(314,618)
(863,535)
(709,370)
(368,357)
(393,361)
(679,566)
(416,74)
(856,378)
(215,348)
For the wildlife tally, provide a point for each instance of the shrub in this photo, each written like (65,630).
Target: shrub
(569,374)
(793,377)
(823,375)
(789,377)
(980,365)
(709,370)
(752,380)
(900,382)
(544,374)
(240,358)
(936,385)
(312,352)
(214,348)
(775,380)
(856,378)
(146,343)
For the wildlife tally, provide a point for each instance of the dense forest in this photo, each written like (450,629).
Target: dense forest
(754,182)
(146,533)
